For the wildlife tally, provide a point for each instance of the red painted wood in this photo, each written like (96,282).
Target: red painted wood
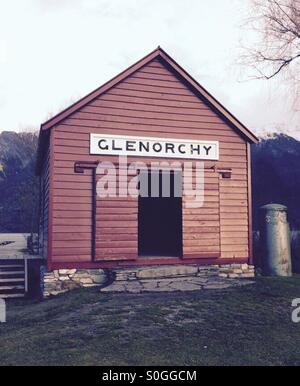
(152,102)
(143,262)
(153,61)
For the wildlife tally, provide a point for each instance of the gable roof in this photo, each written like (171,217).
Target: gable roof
(166,59)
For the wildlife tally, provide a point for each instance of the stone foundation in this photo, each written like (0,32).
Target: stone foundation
(63,280)
(180,278)
(234,271)
(231,271)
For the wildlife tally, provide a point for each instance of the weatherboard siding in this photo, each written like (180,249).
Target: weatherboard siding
(151,102)
(44,205)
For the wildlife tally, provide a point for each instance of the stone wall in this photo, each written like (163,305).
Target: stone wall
(180,278)
(231,271)
(63,280)
(234,271)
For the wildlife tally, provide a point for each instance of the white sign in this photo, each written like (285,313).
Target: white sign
(104,144)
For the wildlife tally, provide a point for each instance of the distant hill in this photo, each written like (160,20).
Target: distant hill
(275,175)
(18,184)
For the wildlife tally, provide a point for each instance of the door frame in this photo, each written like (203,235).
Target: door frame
(180,249)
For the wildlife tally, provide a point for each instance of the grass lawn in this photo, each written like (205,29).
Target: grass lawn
(241,326)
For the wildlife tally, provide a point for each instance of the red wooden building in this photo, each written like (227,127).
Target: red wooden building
(154,98)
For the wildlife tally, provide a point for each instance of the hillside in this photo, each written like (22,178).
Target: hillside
(276,175)
(18,184)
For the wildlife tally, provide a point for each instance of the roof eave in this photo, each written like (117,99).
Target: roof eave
(209,98)
(159,52)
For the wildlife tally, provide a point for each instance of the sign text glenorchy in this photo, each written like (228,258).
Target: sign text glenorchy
(103,144)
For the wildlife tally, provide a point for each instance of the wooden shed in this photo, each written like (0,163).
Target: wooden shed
(155,101)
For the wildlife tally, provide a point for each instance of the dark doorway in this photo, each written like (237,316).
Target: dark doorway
(160,219)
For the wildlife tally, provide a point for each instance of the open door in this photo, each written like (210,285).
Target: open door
(160,220)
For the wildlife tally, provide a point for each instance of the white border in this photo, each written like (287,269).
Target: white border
(93,136)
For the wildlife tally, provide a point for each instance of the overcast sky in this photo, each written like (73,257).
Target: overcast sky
(52,52)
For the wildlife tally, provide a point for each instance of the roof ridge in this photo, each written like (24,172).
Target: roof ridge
(48,124)
(168,61)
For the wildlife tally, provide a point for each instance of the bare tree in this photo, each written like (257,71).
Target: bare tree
(276,25)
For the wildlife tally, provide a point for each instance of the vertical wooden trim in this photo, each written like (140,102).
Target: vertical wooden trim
(79,167)
(26,275)
(249,183)
(50,198)
(220,231)
(94,210)
(181,218)
(41,219)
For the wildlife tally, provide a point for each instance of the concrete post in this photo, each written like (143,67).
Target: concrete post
(275,239)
